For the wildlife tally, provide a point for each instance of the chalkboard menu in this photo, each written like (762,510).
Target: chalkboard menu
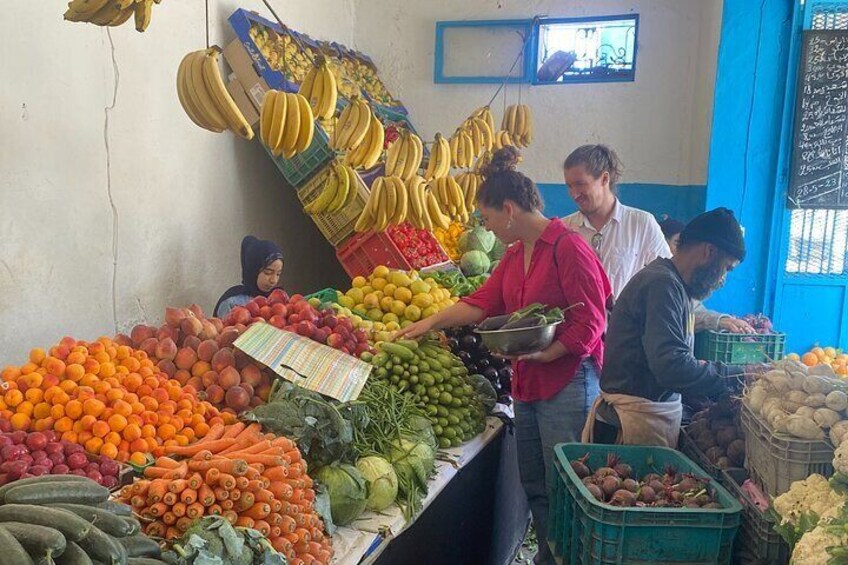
(819,176)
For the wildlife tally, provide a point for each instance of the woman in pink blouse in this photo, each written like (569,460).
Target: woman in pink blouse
(547,263)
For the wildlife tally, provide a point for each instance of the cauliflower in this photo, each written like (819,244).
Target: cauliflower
(840,458)
(812,495)
(812,548)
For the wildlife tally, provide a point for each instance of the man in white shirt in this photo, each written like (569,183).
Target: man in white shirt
(626,239)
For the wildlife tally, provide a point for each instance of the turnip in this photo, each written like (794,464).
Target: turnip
(803,428)
(714,454)
(806,411)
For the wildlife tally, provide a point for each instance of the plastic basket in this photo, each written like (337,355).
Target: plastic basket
(690,449)
(363,252)
(739,349)
(585,531)
(303,166)
(325,296)
(757,543)
(338,226)
(779,460)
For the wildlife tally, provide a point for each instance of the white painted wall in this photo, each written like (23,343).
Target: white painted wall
(659,124)
(183,197)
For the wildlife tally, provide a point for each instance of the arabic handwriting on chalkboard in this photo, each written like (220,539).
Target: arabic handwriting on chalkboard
(820,149)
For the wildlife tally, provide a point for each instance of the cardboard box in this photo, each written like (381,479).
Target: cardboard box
(236,90)
(251,82)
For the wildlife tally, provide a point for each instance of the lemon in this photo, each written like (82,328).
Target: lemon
(359,282)
(386,303)
(398,308)
(347,301)
(429,311)
(380,272)
(367,289)
(379,326)
(390,318)
(356,295)
(375,314)
(404,295)
(393,326)
(399,278)
(422,300)
(379,294)
(314,302)
(378,283)
(420,287)
(389,289)
(412,313)
(406,323)
(371,301)
(356,319)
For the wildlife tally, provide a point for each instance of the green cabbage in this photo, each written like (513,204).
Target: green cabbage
(497,251)
(414,462)
(348,493)
(477,239)
(382,482)
(474,263)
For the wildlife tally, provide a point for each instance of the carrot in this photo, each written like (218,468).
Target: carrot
(194,511)
(275,532)
(215,432)
(315,548)
(126,492)
(246,501)
(252,431)
(227,504)
(274,518)
(242,482)
(212,476)
(304,535)
(276,505)
(169,518)
(309,495)
(281,490)
(262,527)
(233,430)
(296,560)
(264,481)
(167,462)
(178,472)
(188,496)
(230,466)
(215,510)
(235,494)
(156,472)
(301,519)
(177,486)
(170,498)
(257,447)
(204,455)
(184,523)
(258,511)
(325,556)
(231,516)
(307,480)
(138,501)
(294,455)
(195,481)
(317,535)
(213,446)
(179,509)
(277,473)
(282,545)
(155,529)
(227,481)
(293,539)
(254,486)
(262,459)
(239,444)
(295,470)
(158,509)
(283,442)
(297,497)
(140,487)
(173,533)
(221,494)
(264,495)
(245,522)
(205,495)
(253,473)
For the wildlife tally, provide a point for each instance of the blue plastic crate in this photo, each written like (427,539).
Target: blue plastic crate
(241,21)
(585,531)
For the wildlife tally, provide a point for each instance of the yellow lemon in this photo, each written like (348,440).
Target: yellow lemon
(793,357)
(404,295)
(422,300)
(420,287)
(398,308)
(399,278)
(389,318)
(375,314)
(378,283)
(830,352)
(371,301)
(412,313)
(359,282)
(347,301)
(406,323)
(393,326)
(382,272)
(429,311)
(389,289)
(356,295)
(367,289)
(386,303)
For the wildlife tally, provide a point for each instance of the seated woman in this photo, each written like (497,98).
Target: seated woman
(261,267)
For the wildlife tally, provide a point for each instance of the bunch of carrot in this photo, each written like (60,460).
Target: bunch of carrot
(253,479)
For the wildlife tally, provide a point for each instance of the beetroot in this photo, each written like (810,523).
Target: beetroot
(651,477)
(77,461)
(623,470)
(647,495)
(623,498)
(580,469)
(657,485)
(686,484)
(610,484)
(596,492)
(36,441)
(712,505)
(691,503)
(630,484)
(604,472)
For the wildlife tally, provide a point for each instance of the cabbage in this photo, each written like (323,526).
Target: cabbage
(347,490)
(474,263)
(477,239)
(381,480)
(498,250)
(414,462)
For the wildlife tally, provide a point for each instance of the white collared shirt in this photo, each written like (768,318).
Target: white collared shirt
(629,241)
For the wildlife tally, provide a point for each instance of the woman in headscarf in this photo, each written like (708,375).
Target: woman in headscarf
(261,267)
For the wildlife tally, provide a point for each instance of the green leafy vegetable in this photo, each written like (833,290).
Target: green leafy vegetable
(348,493)
(214,541)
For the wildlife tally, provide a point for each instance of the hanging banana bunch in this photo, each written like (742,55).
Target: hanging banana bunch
(502,139)
(339,190)
(482,137)
(320,89)
(485,114)
(461,149)
(518,122)
(449,198)
(111,13)
(469,185)
(439,163)
(352,125)
(204,96)
(403,157)
(367,153)
(388,204)
(287,125)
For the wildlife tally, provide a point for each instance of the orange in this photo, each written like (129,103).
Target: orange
(117,422)
(166,431)
(810,359)
(138,445)
(93,407)
(37,355)
(93,445)
(109,450)
(181,440)
(20,421)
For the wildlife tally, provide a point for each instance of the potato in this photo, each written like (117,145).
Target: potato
(815,400)
(803,428)
(806,411)
(725,436)
(799,397)
(838,432)
(825,417)
(822,371)
(836,400)
(736,452)
(779,380)
(790,406)
(756,396)
(816,384)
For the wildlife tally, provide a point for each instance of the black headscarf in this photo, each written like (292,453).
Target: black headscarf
(256,254)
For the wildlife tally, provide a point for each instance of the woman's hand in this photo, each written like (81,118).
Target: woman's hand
(414,331)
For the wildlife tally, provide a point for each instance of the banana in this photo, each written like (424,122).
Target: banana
(124,15)
(414,201)
(278,121)
(438,219)
(218,90)
(486,134)
(444,161)
(143,12)
(329,93)
(454,148)
(363,123)
(485,114)
(327,195)
(106,14)
(343,125)
(527,136)
(396,155)
(266,115)
(377,137)
(402,206)
(307,125)
(315,90)
(421,195)
(375,197)
(82,10)
(381,216)
(353,189)
(307,85)
(196,88)
(476,137)
(352,125)
(391,201)
(518,132)
(343,190)
(416,153)
(188,104)
(292,123)
(365,221)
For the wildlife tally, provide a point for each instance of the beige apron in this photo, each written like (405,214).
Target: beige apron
(643,422)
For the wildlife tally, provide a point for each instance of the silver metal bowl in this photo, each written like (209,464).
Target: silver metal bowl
(521,341)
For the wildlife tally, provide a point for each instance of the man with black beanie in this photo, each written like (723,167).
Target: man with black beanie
(649,361)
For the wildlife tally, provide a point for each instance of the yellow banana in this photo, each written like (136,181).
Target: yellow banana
(518,134)
(396,155)
(82,10)
(377,137)
(292,124)
(218,90)
(143,13)
(402,208)
(375,197)
(421,195)
(486,134)
(106,14)
(416,153)
(307,125)
(365,221)
(327,195)
(382,214)
(316,92)
(353,189)
(528,126)
(444,157)
(278,121)
(454,148)
(344,126)
(414,201)
(187,102)
(508,124)
(329,93)
(342,192)
(308,84)
(485,114)
(200,93)
(266,115)
(390,191)
(362,124)
(476,137)
(438,219)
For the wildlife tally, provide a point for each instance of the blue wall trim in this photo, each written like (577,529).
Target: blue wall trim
(682,202)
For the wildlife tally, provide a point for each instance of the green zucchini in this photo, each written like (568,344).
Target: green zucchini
(103,519)
(38,541)
(141,546)
(103,547)
(404,353)
(144,561)
(117,508)
(74,555)
(13,553)
(42,480)
(51,493)
(135,525)
(70,525)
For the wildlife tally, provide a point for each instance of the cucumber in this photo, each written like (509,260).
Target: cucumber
(103,547)
(135,525)
(103,519)
(141,546)
(144,561)
(74,555)
(70,525)
(49,493)
(117,508)
(408,343)
(38,541)
(380,359)
(42,480)
(404,353)
(13,553)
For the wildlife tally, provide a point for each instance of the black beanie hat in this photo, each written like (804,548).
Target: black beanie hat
(718,227)
(671,227)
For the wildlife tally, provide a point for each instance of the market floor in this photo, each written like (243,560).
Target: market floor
(529,548)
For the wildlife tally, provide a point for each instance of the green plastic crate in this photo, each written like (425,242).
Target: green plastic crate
(739,349)
(585,531)
(325,296)
(303,166)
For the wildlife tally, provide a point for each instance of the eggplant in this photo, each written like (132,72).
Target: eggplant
(484,363)
(505,372)
(472,368)
(490,373)
(469,342)
(453,344)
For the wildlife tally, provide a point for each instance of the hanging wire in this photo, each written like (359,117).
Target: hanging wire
(207,24)
(520,56)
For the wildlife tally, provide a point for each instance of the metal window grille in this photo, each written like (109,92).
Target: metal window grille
(818,238)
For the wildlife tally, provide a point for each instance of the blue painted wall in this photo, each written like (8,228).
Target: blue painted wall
(680,202)
(744,147)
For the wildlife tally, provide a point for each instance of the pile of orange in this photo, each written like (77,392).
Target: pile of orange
(825,356)
(110,398)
